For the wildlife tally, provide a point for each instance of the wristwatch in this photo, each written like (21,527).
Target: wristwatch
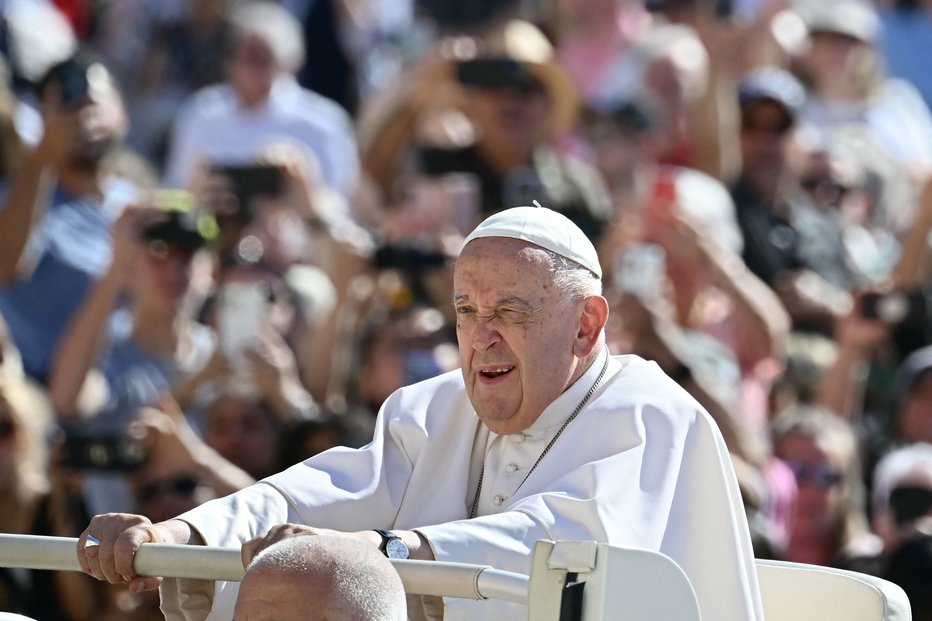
(392,545)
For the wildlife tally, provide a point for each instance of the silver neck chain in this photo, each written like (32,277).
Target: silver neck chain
(595,384)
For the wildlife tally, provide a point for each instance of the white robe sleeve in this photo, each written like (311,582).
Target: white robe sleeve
(341,489)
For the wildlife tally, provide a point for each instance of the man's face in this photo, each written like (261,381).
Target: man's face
(915,412)
(252,69)
(765,127)
(513,117)
(515,329)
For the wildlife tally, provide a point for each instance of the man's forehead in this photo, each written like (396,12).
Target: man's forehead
(501,250)
(497,261)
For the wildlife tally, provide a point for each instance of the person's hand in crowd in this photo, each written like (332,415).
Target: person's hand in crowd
(689,252)
(128,243)
(274,368)
(216,371)
(169,437)
(856,331)
(840,388)
(299,170)
(810,298)
(60,130)
(173,445)
(432,81)
(206,183)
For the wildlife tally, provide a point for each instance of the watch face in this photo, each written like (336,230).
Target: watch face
(396,548)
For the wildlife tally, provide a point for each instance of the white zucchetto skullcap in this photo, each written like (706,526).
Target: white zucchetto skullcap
(542,227)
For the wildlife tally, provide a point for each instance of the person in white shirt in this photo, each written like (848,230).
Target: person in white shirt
(541,435)
(262,104)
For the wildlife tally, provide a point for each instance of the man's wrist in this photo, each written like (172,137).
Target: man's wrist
(392,545)
(180,532)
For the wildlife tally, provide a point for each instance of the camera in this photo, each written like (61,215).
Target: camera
(250,182)
(407,258)
(120,453)
(496,73)
(896,307)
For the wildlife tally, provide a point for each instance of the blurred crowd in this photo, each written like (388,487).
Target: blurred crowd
(227,230)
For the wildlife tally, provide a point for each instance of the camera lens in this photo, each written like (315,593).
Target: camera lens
(892,308)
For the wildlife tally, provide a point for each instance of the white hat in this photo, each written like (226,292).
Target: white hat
(542,227)
(854,18)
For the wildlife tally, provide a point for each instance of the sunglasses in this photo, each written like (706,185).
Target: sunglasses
(821,475)
(824,189)
(749,126)
(178,487)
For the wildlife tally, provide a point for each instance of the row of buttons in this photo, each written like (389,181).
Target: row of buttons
(498,499)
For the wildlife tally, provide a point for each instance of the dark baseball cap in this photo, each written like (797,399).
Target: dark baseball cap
(772,84)
(184,224)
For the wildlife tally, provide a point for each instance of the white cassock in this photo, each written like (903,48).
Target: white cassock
(642,465)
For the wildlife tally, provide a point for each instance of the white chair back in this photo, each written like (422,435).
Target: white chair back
(802,592)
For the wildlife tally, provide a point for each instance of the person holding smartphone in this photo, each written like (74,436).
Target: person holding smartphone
(261,102)
(133,354)
(57,217)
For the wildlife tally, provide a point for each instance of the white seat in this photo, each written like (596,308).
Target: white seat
(802,592)
(9,616)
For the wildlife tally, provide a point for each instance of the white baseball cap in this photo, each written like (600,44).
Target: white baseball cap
(542,227)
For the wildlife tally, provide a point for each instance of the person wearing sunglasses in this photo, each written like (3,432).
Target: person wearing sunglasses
(133,338)
(829,522)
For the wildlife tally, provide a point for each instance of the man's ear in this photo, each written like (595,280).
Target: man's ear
(592,320)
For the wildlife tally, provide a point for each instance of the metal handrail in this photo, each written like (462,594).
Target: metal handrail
(212,563)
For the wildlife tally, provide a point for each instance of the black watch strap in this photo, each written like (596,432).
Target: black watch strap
(386,535)
(400,550)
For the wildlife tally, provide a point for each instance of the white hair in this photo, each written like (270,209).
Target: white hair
(275,25)
(345,579)
(576,281)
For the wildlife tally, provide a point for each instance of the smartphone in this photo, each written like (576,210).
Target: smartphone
(252,181)
(112,453)
(463,200)
(495,73)
(72,83)
(241,313)
(895,307)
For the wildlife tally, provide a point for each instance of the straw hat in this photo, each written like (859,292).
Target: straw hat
(524,43)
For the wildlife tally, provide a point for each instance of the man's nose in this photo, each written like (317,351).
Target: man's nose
(484,335)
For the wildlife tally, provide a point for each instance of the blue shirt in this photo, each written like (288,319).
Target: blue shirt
(906,45)
(70,248)
(136,377)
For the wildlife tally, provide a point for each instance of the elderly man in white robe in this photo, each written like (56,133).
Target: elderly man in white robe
(541,435)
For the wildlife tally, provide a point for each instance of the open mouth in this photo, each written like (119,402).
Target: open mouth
(494,373)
